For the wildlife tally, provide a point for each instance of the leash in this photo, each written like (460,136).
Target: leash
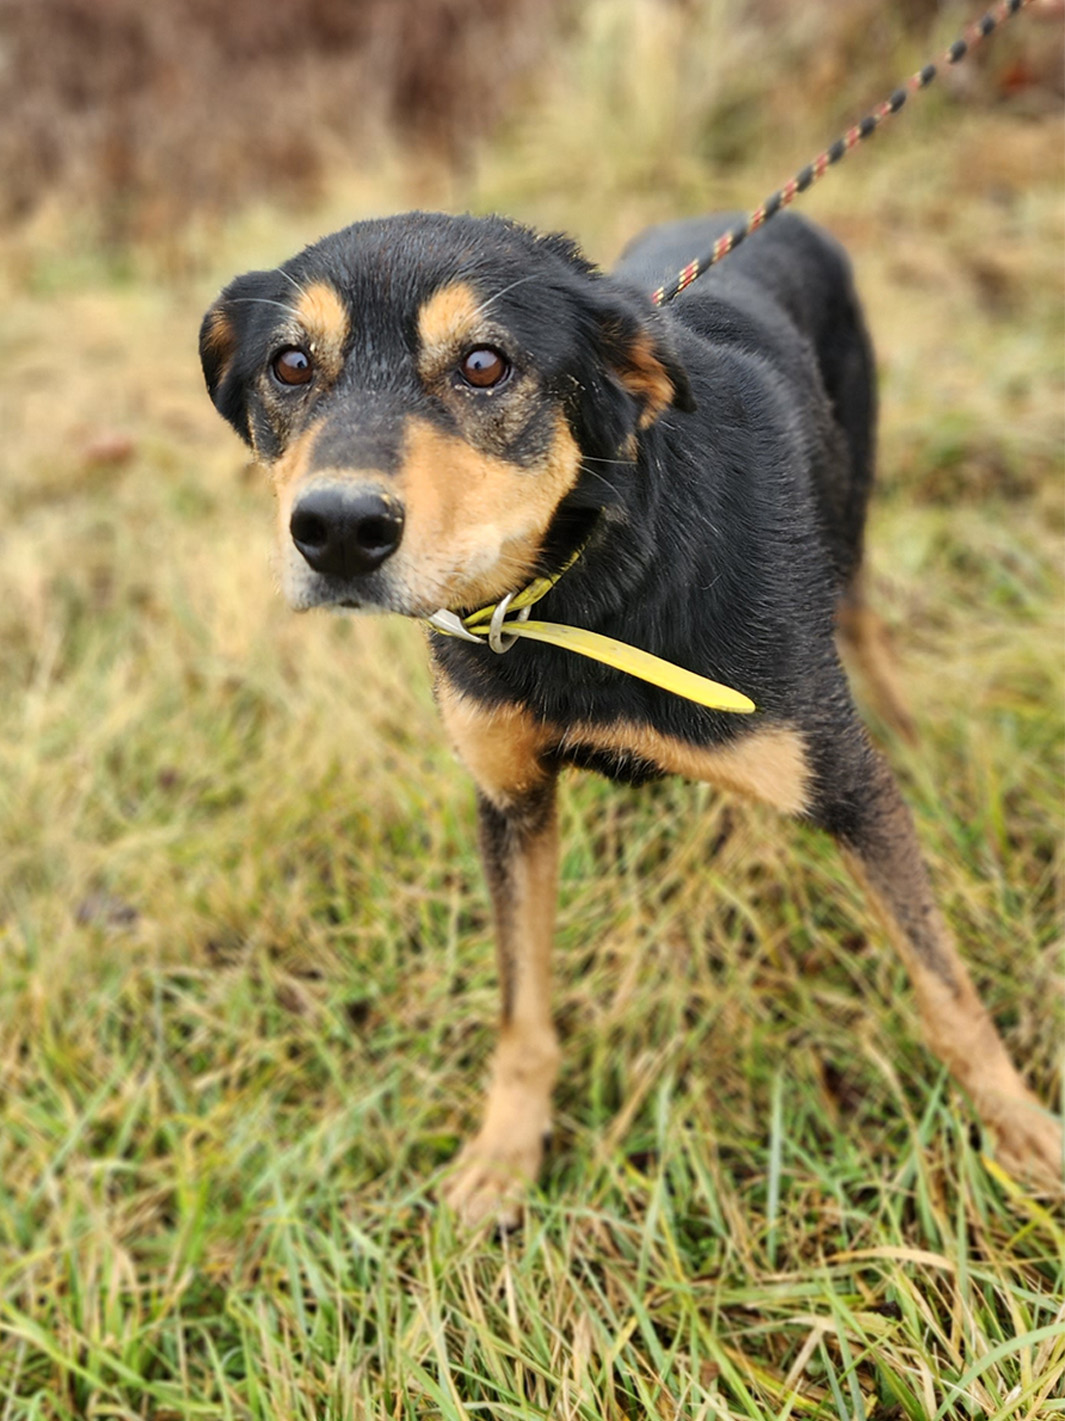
(806,177)
(502,623)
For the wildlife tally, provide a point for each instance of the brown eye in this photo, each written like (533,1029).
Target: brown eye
(484,368)
(292,366)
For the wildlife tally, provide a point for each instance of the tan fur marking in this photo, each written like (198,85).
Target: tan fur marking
(288,473)
(769,765)
(499,1163)
(644,376)
(497,1166)
(324,317)
(475,522)
(219,339)
(501,746)
(446,320)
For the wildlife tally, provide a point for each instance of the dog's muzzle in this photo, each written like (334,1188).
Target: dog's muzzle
(345,532)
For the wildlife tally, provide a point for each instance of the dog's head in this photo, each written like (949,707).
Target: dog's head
(428,393)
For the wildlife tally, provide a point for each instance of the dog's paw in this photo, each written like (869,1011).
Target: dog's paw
(491,1177)
(1029,1144)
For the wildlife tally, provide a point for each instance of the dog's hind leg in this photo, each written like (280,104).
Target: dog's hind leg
(519,847)
(865,643)
(876,833)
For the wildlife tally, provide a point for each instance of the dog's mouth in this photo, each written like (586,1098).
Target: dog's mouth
(384,591)
(309,599)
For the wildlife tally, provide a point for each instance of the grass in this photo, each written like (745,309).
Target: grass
(248,986)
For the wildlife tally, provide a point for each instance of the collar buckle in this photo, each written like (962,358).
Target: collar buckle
(499,640)
(452,625)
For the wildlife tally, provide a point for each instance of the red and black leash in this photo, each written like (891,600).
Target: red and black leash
(807,176)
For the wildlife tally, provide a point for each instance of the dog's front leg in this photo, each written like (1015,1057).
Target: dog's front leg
(503,749)
(519,845)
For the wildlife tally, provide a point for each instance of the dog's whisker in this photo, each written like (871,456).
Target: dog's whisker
(261,301)
(498,295)
(592,474)
(291,280)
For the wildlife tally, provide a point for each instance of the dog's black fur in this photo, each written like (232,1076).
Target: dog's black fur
(721,461)
(740,519)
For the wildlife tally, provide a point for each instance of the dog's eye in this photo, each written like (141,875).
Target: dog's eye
(484,367)
(292,366)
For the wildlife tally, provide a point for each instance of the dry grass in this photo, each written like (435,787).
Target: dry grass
(247,980)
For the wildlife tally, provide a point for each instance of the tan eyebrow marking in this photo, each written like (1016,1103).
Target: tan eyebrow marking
(445,319)
(324,317)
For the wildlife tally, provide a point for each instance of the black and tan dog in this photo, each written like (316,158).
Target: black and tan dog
(451,407)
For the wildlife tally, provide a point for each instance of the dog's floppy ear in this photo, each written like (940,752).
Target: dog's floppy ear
(228,347)
(647,366)
(638,373)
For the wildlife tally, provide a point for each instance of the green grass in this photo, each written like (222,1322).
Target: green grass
(248,992)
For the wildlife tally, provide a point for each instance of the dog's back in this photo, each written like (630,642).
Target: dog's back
(786,289)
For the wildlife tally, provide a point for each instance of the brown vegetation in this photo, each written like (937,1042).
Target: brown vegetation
(150,111)
(143,115)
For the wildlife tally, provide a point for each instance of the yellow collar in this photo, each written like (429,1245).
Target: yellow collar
(501,623)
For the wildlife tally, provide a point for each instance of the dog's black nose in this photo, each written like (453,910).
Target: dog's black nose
(344,532)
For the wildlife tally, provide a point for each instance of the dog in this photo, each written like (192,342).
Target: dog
(453,407)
